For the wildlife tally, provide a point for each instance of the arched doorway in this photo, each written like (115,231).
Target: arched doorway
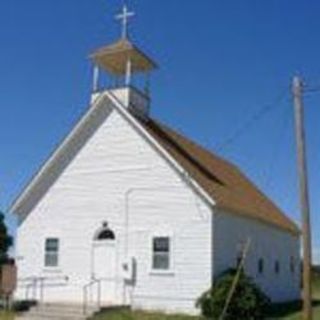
(104,263)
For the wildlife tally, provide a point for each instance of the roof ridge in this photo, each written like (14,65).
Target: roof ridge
(185,152)
(198,145)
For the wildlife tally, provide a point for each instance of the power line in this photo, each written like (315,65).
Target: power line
(264,110)
(314,88)
(277,149)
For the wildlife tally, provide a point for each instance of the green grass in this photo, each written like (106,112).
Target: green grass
(297,316)
(281,312)
(292,311)
(6,316)
(289,311)
(138,315)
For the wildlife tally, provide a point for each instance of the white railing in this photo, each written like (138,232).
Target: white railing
(90,286)
(36,285)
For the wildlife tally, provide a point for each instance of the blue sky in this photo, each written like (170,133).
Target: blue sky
(220,63)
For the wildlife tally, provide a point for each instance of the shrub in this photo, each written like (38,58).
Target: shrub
(23,305)
(248,301)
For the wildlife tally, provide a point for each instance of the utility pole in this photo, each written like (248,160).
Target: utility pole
(297,87)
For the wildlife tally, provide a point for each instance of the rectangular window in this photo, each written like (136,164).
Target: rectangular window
(277,267)
(260,266)
(51,258)
(161,253)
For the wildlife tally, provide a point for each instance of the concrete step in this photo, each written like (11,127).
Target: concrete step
(58,312)
(65,310)
(51,317)
(44,317)
(57,315)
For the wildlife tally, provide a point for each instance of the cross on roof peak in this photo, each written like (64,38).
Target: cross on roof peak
(124,17)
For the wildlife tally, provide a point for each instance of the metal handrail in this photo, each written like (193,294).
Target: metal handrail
(29,286)
(36,283)
(85,293)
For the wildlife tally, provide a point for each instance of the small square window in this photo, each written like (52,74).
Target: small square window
(161,253)
(51,258)
(292,265)
(277,267)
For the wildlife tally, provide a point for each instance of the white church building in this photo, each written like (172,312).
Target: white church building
(127,211)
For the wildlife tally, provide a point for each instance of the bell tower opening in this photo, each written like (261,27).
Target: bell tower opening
(124,63)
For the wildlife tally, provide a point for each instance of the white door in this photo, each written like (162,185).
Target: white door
(104,269)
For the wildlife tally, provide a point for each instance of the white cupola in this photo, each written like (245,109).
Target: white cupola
(122,62)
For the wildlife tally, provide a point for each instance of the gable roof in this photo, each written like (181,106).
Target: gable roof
(52,168)
(221,183)
(221,180)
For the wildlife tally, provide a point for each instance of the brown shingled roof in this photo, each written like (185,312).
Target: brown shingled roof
(113,58)
(223,181)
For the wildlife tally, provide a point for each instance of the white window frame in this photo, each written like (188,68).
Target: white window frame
(170,270)
(52,253)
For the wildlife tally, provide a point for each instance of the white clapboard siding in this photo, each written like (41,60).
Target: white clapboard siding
(177,289)
(268,243)
(115,173)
